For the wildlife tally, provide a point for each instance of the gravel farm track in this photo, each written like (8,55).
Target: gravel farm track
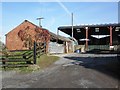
(70,71)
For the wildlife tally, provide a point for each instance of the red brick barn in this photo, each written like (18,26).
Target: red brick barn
(23,36)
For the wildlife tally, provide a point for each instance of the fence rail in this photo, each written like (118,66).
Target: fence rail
(26,56)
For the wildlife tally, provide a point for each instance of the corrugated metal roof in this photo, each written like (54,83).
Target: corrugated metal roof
(89,25)
(62,38)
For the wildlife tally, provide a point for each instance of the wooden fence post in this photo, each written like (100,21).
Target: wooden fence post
(34,53)
(45,48)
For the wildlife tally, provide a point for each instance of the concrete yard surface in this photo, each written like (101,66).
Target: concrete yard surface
(71,71)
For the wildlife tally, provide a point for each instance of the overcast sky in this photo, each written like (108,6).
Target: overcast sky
(57,14)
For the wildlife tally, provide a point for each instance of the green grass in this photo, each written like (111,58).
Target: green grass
(26,69)
(43,61)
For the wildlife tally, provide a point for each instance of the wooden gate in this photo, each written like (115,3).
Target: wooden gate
(28,56)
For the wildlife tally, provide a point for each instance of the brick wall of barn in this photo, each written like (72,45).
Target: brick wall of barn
(14,42)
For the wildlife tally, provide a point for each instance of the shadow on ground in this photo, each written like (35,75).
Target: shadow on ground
(108,65)
(99,51)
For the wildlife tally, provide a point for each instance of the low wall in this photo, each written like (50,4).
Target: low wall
(101,47)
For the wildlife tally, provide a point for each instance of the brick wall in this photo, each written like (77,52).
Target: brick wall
(14,42)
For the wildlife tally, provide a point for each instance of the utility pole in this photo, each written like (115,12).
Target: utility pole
(72,32)
(40,21)
(72,25)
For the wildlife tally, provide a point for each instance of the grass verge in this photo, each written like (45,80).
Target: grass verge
(42,62)
(45,61)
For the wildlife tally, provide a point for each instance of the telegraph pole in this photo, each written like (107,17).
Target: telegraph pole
(40,21)
(72,25)
(72,30)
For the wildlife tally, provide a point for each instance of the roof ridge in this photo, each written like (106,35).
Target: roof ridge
(24,22)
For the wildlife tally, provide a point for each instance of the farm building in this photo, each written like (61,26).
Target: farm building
(23,36)
(60,44)
(99,36)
